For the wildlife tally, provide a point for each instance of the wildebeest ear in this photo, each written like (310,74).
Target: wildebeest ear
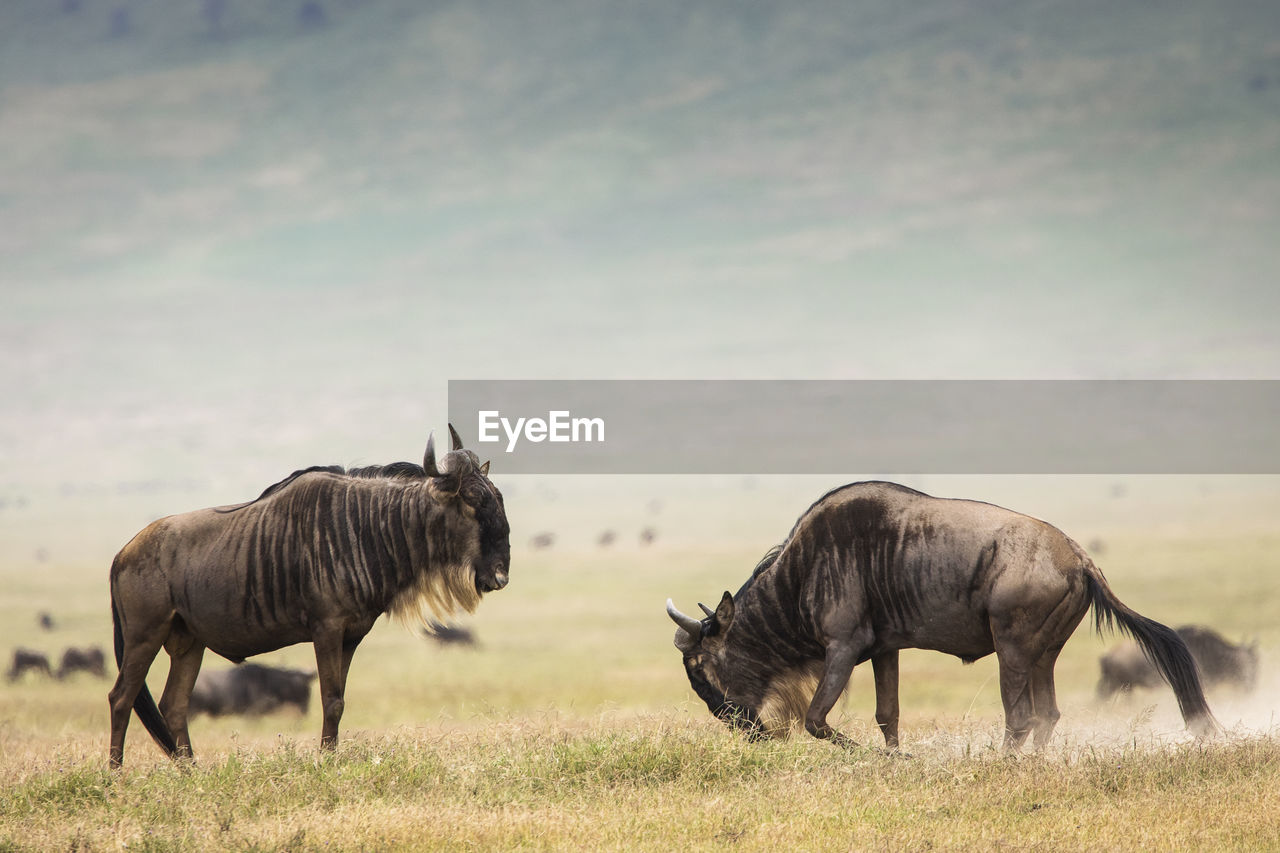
(453,435)
(447,485)
(724,611)
(484,469)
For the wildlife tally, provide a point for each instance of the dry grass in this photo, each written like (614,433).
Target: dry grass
(571,726)
(649,783)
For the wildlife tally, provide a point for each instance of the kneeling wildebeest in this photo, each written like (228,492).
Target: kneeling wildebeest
(872,568)
(317,557)
(90,659)
(1220,662)
(250,688)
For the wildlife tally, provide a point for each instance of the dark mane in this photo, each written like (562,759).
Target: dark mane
(770,557)
(399,471)
(394,471)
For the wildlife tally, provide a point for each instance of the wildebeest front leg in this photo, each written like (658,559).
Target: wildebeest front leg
(333,660)
(835,677)
(885,667)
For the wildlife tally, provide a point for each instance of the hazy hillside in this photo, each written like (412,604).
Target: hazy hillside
(235,236)
(657,144)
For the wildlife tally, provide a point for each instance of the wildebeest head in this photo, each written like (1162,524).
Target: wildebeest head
(712,666)
(462,483)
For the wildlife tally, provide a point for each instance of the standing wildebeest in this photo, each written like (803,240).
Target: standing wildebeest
(317,557)
(1219,661)
(250,688)
(90,659)
(872,568)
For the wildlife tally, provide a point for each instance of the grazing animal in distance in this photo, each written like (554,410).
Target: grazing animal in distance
(90,659)
(1220,662)
(317,558)
(450,635)
(872,568)
(250,689)
(542,540)
(26,660)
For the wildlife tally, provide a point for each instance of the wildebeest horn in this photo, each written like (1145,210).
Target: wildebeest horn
(429,461)
(453,434)
(707,610)
(691,626)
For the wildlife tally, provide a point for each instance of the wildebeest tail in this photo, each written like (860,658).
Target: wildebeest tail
(1162,646)
(144,706)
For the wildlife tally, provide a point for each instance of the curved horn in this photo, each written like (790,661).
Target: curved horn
(429,460)
(692,626)
(453,435)
(707,610)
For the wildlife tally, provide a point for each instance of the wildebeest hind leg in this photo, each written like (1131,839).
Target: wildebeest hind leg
(885,667)
(139,652)
(185,656)
(1044,701)
(1015,692)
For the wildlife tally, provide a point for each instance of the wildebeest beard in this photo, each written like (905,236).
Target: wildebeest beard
(738,716)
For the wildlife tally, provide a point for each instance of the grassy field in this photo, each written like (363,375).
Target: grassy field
(571,726)
(236,247)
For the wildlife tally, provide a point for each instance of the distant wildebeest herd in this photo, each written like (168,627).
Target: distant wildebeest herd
(89,659)
(869,569)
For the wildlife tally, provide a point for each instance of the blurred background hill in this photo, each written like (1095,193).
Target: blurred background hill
(240,238)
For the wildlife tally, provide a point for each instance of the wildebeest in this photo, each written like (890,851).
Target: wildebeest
(1220,662)
(317,557)
(449,635)
(25,660)
(872,568)
(90,659)
(250,688)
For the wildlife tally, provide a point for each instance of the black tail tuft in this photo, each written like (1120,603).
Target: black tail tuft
(1162,646)
(144,706)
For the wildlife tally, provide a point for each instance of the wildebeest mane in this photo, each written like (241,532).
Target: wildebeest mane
(770,557)
(393,471)
(374,532)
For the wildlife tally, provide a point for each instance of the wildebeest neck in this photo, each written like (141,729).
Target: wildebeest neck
(770,626)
